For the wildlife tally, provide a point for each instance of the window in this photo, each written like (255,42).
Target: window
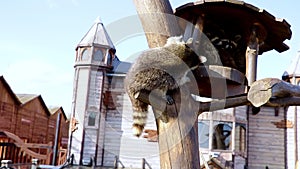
(92,116)
(222,135)
(98,56)
(240,137)
(203,134)
(85,54)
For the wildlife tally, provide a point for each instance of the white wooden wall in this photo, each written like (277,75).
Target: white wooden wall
(266,142)
(119,140)
(291,147)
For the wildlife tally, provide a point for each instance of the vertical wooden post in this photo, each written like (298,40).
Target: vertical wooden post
(178,138)
(158,21)
(251,57)
(257,34)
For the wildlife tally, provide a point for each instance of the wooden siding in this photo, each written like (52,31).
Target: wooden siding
(119,140)
(34,119)
(80,98)
(290,135)
(8,107)
(28,118)
(94,99)
(63,128)
(266,142)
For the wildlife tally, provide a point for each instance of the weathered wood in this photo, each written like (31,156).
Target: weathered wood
(157,20)
(202,106)
(219,82)
(263,90)
(251,56)
(25,147)
(228,102)
(178,138)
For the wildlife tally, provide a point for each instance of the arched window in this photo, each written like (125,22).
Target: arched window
(222,135)
(98,56)
(85,54)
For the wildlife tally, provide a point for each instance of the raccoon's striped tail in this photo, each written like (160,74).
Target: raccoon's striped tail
(139,122)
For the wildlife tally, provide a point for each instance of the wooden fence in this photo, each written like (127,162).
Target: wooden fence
(15,149)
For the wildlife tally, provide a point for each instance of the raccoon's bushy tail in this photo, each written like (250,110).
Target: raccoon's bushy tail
(140,113)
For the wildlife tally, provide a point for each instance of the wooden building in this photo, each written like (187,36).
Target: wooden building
(9,104)
(25,119)
(292,75)
(268,139)
(33,118)
(102,109)
(236,137)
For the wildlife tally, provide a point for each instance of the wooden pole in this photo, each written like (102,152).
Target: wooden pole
(178,138)
(157,20)
(257,36)
(251,56)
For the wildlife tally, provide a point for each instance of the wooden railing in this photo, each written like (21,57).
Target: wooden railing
(13,148)
(62,156)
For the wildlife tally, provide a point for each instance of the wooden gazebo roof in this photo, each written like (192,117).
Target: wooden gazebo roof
(239,17)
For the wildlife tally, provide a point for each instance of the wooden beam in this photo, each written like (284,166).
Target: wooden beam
(220,104)
(226,103)
(265,90)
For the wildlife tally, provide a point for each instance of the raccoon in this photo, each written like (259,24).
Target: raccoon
(164,69)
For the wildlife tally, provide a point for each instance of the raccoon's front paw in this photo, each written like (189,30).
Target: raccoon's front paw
(169,100)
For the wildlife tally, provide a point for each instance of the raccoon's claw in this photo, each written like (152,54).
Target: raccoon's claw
(169,100)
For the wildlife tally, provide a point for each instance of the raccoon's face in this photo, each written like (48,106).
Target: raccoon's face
(192,59)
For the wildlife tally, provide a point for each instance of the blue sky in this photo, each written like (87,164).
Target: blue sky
(38,40)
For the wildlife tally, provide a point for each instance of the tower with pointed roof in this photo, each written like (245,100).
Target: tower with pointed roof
(94,55)
(101,120)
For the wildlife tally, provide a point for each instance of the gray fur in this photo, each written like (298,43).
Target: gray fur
(163,69)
